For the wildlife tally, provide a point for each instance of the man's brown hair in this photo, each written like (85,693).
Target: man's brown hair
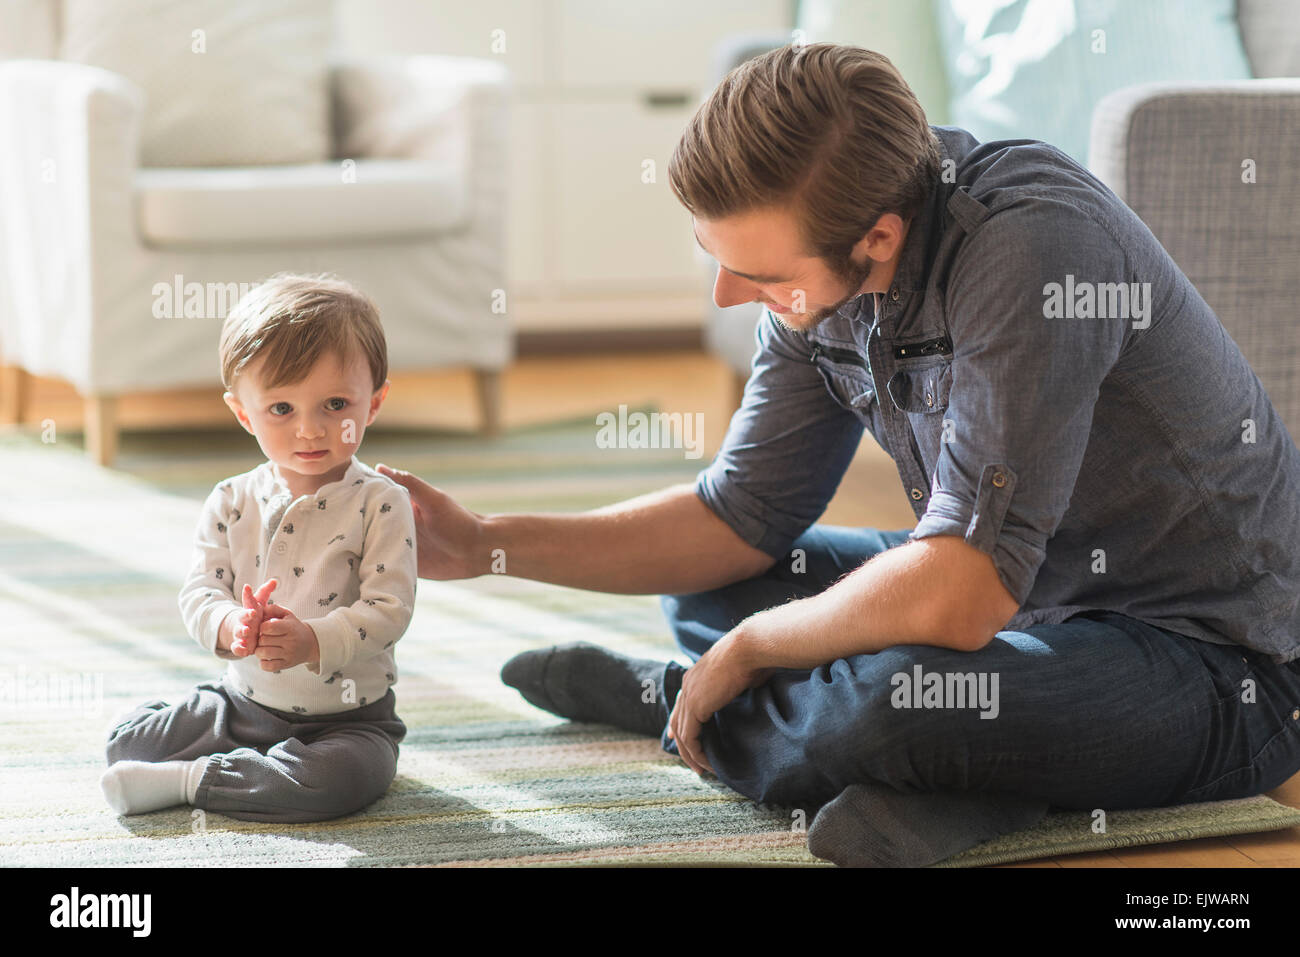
(295,320)
(832,132)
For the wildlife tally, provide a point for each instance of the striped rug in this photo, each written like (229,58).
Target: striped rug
(90,564)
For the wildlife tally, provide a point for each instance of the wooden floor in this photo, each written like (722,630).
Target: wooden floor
(541,389)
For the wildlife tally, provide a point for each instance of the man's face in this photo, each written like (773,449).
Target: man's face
(761,259)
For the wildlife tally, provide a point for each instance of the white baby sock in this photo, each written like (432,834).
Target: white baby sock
(136,787)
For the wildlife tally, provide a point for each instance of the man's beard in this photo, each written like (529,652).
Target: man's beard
(851,275)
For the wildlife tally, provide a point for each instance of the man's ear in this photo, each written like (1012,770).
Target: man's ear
(237,407)
(377,400)
(883,241)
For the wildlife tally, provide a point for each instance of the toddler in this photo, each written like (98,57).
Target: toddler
(302,726)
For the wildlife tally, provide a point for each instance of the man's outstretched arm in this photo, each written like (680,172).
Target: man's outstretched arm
(666,542)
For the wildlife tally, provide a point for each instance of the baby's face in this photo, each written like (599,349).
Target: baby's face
(325,414)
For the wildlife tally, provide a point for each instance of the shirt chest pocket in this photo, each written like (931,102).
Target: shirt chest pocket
(850,387)
(922,391)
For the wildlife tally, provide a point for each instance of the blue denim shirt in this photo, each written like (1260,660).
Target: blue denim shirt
(1107,451)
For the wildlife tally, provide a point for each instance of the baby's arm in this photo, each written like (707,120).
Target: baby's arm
(388,573)
(207,599)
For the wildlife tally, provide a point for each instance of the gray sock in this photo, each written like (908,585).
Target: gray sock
(585,682)
(873,825)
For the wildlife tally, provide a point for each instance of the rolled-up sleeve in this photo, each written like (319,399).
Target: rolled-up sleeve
(1024,386)
(786,449)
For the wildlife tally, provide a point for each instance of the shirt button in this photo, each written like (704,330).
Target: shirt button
(893,294)
(1295,715)
(281,547)
(929,399)
(999,479)
(917,493)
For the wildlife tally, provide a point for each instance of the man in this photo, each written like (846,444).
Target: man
(1098,607)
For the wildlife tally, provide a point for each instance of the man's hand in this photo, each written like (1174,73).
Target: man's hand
(448,537)
(286,640)
(245,638)
(722,673)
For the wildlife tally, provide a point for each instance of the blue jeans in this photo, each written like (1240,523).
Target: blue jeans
(1100,711)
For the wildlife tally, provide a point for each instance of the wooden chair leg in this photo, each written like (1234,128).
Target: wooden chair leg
(488,385)
(101,429)
(15,394)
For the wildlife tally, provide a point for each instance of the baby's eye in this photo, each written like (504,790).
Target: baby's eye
(341,406)
(276,406)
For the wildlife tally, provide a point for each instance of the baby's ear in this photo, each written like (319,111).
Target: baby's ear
(237,407)
(377,399)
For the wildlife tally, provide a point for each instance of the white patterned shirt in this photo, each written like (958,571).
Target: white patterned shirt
(346,565)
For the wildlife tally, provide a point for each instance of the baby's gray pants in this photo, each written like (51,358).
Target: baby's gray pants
(268,765)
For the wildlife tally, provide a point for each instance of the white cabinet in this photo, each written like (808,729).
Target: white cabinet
(600,88)
(527,202)
(667,44)
(618,224)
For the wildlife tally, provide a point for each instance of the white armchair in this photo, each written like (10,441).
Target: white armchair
(94,247)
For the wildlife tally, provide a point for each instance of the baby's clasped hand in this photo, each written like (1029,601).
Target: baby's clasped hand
(285,640)
(244,641)
(278,637)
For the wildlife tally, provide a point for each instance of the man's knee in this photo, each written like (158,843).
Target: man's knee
(867,725)
(676,607)
(693,620)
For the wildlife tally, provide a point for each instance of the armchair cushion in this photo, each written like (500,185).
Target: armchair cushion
(303,205)
(226,82)
(409,106)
